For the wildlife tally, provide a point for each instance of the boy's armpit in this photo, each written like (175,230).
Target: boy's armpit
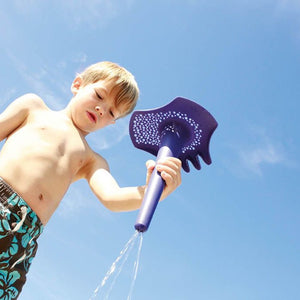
(94,162)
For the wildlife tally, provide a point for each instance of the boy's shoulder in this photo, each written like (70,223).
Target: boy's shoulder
(31,101)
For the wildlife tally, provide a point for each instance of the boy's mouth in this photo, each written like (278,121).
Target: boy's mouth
(92,117)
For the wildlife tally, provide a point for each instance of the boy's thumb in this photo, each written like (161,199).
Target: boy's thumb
(150,164)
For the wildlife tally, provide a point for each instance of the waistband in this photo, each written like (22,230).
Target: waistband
(13,202)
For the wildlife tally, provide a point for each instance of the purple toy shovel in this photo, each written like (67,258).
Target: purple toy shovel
(180,129)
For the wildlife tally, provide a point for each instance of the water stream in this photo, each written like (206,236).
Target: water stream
(103,290)
(136,266)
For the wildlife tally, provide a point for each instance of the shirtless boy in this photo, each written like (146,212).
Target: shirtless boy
(45,151)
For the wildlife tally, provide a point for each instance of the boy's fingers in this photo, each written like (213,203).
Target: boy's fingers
(170,169)
(172,162)
(171,165)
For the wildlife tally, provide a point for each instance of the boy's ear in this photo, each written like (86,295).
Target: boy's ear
(76,85)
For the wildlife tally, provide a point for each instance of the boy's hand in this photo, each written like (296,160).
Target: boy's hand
(170,171)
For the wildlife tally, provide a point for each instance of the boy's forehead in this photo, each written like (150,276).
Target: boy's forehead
(109,85)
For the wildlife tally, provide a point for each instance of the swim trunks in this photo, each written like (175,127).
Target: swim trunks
(19,229)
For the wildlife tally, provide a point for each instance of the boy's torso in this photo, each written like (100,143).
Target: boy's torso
(41,158)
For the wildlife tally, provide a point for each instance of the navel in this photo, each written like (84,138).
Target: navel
(41,197)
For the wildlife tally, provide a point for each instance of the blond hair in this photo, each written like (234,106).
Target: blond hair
(125,84)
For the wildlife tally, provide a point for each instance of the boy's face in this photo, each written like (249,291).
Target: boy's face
(93,105)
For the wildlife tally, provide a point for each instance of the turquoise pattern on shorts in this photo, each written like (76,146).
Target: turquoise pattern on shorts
(17,247)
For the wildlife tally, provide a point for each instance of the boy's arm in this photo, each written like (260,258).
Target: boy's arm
(16,113)
(119,199)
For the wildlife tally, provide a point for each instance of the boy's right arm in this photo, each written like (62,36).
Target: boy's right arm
(108,191)
(118,198)
(16,113)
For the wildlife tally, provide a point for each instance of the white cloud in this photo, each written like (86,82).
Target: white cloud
(38,81)
(93,13)
(25,7)
(73,202)
(259,151)
(53,82)
(254,159)
(79,58)
(289,9)
(288,5)
(79,198)
(7,97)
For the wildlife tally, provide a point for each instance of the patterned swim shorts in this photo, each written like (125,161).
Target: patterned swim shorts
(19,229)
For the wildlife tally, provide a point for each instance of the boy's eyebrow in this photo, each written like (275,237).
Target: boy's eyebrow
(102,89)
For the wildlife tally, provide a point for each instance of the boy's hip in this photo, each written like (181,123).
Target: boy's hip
(18,212)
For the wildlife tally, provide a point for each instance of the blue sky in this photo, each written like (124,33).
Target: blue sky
(230,231)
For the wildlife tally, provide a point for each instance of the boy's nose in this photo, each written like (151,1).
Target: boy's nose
(99,110)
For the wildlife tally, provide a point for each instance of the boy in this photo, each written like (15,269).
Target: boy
(45,151)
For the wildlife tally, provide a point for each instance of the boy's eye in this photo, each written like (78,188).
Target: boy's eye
(98,95)
(112,114)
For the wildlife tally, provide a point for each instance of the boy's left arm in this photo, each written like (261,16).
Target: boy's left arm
(120,199)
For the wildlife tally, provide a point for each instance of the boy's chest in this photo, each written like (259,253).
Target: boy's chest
(57,137)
